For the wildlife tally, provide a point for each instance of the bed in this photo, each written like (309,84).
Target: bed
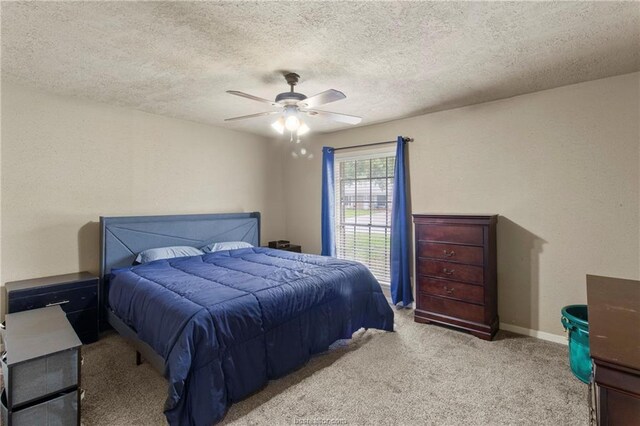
(218,326)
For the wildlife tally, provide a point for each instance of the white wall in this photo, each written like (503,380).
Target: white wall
(65,162)
(559,166)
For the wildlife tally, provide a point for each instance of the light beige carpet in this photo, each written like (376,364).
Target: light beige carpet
(421,374)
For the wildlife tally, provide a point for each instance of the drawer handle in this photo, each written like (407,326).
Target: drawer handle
(448,271)
(62,302)
(448,290)
(449,253)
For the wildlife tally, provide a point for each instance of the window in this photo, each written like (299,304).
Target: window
(364,192)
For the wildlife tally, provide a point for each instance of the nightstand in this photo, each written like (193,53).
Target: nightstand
(41,369)
(290,247)
(76,294)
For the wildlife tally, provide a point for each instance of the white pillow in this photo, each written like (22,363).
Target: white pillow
(226,245)
(150,255)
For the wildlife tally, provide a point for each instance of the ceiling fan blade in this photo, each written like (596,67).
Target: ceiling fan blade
(342,118)
(255,98)
(325,97)
(260,114)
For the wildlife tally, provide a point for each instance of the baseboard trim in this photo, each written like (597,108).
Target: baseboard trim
(534,333)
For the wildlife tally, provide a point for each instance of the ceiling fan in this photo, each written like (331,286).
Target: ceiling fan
(292,105)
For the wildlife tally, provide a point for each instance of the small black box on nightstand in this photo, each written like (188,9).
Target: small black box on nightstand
(280,244)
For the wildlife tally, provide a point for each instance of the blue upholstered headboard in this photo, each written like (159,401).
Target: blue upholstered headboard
(124,237)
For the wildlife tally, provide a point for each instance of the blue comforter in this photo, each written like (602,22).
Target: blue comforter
(229,321)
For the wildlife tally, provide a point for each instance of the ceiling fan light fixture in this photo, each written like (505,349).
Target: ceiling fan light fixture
(292,123)
(303,128)
(278,125)
(289,104)
(291,119)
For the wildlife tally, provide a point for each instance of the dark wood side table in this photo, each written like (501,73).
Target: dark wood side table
(614,343)
(291,247)
(76,294)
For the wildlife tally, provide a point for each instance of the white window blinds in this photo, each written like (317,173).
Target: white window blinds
(364,193)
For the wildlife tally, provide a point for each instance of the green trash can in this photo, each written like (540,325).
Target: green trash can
(575,319)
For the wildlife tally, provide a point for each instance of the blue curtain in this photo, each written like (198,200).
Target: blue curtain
(401,291)
(328,200)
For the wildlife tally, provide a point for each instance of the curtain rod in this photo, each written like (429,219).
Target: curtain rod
(406,139)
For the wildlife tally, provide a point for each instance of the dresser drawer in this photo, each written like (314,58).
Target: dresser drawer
(61,410)
(69,300)
(451,252)
(451,234)
(451,308)
(42,376)
(451,289)
(451,271)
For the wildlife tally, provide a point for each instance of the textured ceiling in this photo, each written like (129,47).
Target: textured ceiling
(392,59)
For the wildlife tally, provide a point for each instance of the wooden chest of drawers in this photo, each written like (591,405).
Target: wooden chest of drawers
(456,272)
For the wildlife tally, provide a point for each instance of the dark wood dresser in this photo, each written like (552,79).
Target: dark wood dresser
(76,294)
(456,272)
(614,343)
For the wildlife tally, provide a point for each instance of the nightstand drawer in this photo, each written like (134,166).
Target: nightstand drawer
(61,410)
(69,300)
(33,379)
